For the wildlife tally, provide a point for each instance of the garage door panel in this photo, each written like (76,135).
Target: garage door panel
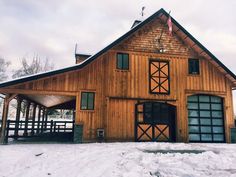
(205,119)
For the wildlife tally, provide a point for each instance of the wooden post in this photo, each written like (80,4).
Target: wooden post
(33,118)
(43,120)
(51,126)
(39,116)
(46,119)
(7,134)
(18,110)
(73,126)
(54,125)
(4,119)
(27,118)
(7,100)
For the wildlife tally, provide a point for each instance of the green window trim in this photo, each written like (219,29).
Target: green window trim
(122,61)
(87,101)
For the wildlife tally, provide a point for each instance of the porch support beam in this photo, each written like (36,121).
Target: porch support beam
(33,118)
(43,117)
(27,118)
(8,98)
(39,116)
(18,110)
(46,118)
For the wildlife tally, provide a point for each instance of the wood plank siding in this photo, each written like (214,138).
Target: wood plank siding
(117,91)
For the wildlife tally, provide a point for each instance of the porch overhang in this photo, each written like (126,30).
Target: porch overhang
(48,99)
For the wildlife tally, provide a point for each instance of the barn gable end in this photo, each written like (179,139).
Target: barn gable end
(129,104)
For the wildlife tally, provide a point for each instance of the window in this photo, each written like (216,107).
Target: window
(205,118)
(87,101)
(159,80)
(122,61)
(193,66)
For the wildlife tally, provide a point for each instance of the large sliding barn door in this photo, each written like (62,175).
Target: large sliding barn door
(154,121)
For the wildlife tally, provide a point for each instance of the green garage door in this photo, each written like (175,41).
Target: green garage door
(205,119)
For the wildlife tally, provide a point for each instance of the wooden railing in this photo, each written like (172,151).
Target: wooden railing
(29,128)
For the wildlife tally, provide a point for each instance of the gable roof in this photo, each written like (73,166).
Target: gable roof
(163,15)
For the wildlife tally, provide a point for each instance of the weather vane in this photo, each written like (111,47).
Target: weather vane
(142,12)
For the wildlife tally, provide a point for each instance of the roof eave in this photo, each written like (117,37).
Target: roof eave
(101,52)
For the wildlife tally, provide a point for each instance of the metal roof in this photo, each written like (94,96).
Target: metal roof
(162,14)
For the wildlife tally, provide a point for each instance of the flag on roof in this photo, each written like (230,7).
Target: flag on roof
(169,23)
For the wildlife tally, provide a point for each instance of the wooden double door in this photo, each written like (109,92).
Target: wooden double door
(155,121)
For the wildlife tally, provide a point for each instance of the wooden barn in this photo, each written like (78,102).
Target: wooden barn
(148,85)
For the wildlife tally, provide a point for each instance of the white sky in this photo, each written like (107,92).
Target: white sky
(51,28)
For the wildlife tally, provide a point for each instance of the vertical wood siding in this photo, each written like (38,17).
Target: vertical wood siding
(117,91)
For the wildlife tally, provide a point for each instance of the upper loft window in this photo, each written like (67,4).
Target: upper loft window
(87,101)
(193,66)
(122,61)
(159,80)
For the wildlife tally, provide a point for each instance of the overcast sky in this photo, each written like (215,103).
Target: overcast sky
(51,28)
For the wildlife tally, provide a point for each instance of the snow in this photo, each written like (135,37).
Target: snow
(118,160)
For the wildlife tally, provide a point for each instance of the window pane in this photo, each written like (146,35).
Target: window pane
(193,65)
(190,66)
(216,106)
(217,114)
(91,101)
(192,105)
(119,61)
(147,117)
(205,129)
(206,137)
(203,98)
(148,111)
(148,107)
(192,113)
(215,99)
(205,114)
(164,113)
(193,129)
(205,121)
(205,106)
(218,129)
(219,137)
(193,121)
(194,137)
(84,101)
(217,121)
(125,61)
(122,61)
(192,98)
(196,66)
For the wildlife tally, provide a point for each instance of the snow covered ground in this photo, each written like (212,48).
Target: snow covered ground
(118,160)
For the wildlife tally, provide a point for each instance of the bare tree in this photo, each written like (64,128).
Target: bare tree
(37,65)
(3,73)
(3,69)
(29,67)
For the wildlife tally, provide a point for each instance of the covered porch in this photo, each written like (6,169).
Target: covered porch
(31,119)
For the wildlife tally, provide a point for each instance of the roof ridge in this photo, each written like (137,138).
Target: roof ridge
(112,44)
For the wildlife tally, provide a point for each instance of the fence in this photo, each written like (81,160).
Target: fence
(30,128)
